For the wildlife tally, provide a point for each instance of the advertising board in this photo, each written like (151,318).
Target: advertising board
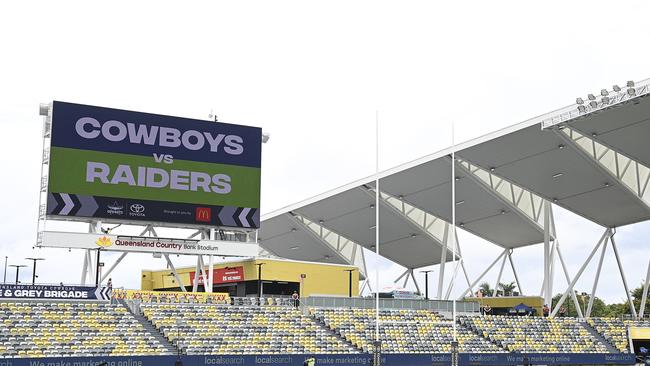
(52,292)
(124,243)
(223,275)
(124,166)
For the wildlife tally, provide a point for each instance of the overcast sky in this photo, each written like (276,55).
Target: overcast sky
(313,74)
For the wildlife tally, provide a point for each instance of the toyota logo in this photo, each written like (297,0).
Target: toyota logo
(137,208)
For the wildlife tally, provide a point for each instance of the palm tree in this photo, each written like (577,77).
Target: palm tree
(485,288)
(507,288)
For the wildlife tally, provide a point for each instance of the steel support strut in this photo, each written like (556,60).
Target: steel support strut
(568,281)
(620,269)
(644,297)
(569,289)
(593,289)
(505,251)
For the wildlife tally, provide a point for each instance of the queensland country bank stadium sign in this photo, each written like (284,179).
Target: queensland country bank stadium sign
(122,166)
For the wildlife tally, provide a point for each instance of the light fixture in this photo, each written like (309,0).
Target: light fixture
(461,224)
(630,84)
(555,200)
(606,184)
(293,230)
(492,169)
(294,247)
(265,137)
(605,100)
(400,197)
(631,92)
(372,227)
(321,222)
(413,235)
(457,179)
(582,109)
(372,247)
(580,101)
(557,175)
(503,212)
(560,146)
(594,134)
(617,88)
(591,97)
(372,206)
(604,92)
(327,256)
(460,202)
(593,104)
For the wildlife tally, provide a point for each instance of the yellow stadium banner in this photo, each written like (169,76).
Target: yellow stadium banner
(640,333)
(172,296)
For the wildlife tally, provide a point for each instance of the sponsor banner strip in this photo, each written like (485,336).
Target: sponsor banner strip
(123,243)
(129,210)
(334,359)
(54,292)
(175,296)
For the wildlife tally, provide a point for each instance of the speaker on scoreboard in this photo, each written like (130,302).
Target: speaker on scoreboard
(178,363)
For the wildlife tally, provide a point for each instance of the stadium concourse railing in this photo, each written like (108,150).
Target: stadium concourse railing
(370,303)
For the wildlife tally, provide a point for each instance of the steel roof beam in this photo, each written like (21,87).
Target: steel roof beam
(625,172)
(523,202)
(346,249)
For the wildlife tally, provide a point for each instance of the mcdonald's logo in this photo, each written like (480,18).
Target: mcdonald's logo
(203,214)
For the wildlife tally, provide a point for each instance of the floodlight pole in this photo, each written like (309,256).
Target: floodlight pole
(426,282)
(349,271)
(18,266)
(5,278)
(34,268)
(99,251)
(259,279)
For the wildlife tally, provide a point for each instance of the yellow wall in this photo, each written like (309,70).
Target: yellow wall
(321,279)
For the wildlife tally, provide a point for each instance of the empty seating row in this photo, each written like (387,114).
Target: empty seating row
(536,334)
(48,329)
(212,329)
(401,330)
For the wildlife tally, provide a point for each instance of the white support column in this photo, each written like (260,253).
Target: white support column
(568,281)
(178,279)
(512,264)
(596,277)
(204,275)
(620,269)
(496,286)
(443,260)
(406,279)
(582,269)
(402,275)
(547,249)
(415,282)
(210,272)
(84,269)
(105,275)
(91,266)
(644,297)
(197,268)
(505,251)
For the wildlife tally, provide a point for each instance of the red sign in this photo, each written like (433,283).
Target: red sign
(223,275)
(203,214)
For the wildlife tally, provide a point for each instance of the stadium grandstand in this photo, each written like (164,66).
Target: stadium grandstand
(292,287)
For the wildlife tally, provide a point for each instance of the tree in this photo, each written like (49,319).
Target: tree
(637,295)
(598,309)
(485,288)
(507,288)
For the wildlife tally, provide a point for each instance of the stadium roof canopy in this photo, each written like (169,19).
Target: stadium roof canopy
(591,159)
